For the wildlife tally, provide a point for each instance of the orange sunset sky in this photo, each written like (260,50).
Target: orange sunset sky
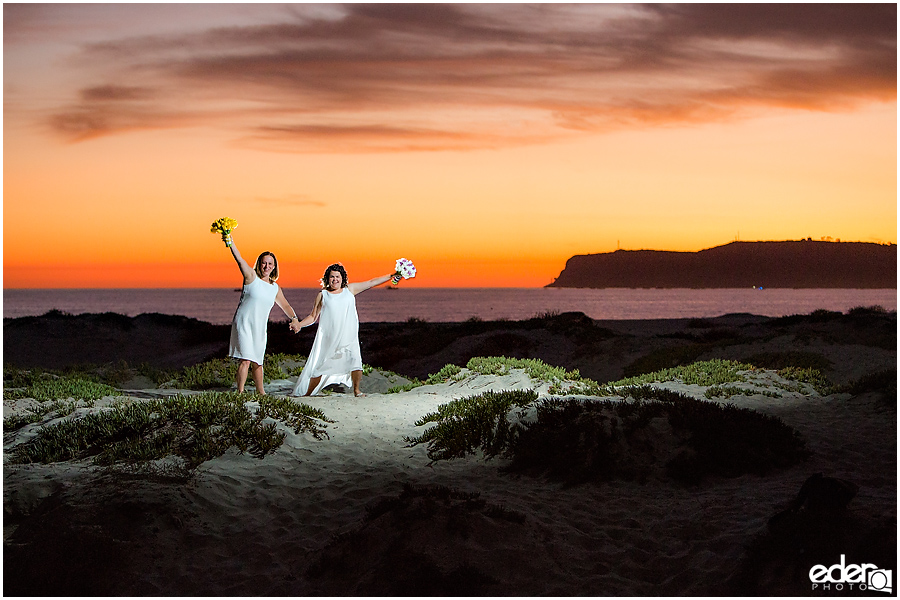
(488,143)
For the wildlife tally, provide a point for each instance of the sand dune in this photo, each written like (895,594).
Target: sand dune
(361,513)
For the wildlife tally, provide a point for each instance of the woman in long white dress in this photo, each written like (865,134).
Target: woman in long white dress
(249,332)
(335,356)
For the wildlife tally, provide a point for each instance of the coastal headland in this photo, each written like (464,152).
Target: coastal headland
(790,264)
(612,500)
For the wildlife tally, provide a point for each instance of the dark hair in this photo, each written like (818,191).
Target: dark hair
(274,276)
(340,269)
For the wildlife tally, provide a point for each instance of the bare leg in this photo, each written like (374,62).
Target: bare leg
(240,378)
(355,376)
(312,385)
(258,378)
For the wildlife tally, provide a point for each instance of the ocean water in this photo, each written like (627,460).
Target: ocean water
(455,304)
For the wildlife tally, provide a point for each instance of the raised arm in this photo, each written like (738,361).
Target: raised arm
(246,270)
(356,288)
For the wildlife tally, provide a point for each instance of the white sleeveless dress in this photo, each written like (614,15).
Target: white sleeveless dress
(335,350)
(249,327)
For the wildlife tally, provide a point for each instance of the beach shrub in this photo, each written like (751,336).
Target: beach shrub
(867,311)
(549,314)
(792,358)
(36,414)
(727,441)
(447,372)
(813,377)
(535,368)
(727,391)
(710,372)
(582,387)
(405,387)
(45,387)
(717,373)
(883,382)
(577,441)
(113,375)
(154,374)
(18,421)
(14,377)
(664,358)
(272,369)
(300,417)
(599,440)
(282,366)
(490,365)
(215,373)
(51,392)
(393,377)
(819,315)
(221,372)
(390,375)
(561,381)
(195,428)
(648,392)
(574,442)
(470,423)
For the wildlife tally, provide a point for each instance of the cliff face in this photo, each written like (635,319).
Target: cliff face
(803,264)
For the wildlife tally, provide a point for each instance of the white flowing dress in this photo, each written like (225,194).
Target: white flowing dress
(249,327)
(335,350)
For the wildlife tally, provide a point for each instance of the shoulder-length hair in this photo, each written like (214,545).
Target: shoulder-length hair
(273,276)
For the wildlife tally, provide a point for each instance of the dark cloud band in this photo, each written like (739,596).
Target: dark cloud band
(382,77)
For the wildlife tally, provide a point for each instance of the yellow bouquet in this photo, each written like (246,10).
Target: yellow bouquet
(224,226)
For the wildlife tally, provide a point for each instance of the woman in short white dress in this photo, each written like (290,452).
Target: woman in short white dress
(249,327)
(335,355)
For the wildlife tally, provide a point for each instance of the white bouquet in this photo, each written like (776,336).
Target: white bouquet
(404,269)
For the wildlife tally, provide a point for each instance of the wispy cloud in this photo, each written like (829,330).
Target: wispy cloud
(382,77)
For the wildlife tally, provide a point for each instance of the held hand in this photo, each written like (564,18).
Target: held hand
(295,326)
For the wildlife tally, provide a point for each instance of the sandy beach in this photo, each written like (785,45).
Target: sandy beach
(362,513)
